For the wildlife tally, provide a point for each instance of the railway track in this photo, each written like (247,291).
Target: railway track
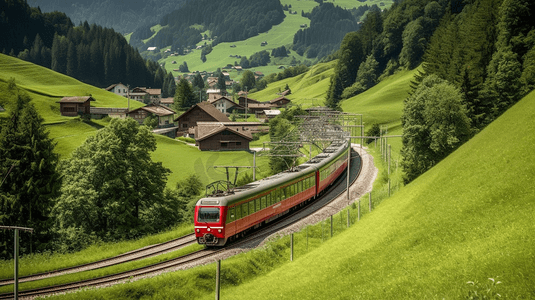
(137,254)
(207,254)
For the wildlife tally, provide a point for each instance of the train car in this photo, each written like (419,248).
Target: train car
(222,218)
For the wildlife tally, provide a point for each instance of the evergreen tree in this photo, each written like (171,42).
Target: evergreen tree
(30,181)
(221,82)
(184,97)
(248,80)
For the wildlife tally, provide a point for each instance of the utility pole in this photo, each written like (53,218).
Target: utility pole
(16,256)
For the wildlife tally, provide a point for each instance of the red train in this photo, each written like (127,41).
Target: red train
(222,218)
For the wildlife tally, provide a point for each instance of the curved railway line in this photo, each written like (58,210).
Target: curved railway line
(199,257)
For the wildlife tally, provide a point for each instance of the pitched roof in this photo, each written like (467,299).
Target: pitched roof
(245,134)
(278,99)
(79,99)
(259,106)
(169,100)
(209,109)
(158,110)
(111,87)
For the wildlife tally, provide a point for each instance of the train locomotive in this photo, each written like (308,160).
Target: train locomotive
(223,218)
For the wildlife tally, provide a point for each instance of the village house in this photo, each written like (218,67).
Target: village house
(168,102)
(242,102)
(74,106)
(217,137)
(119,89)
(226,105)
(213,94)
(280,102)
(146,95)
(202,112)
(164,114)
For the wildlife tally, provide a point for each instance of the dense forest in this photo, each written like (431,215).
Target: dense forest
(328,26)
(227,20)
(90,53)
(123,17)
(477,59)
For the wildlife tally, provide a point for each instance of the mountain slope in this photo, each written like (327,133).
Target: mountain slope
(122,16)
(470,218)
(46,87)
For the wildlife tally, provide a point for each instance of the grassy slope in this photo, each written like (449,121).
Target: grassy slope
(469,218)
(46,87)
(279,35)
(308,89)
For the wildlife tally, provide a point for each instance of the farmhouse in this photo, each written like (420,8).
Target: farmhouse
(216,136)
(213,94)
(226,105)
(242,100)
(167,101)
(280,102)
(119,89)
(164,114)
(146,95)
(202,112)
(74,106)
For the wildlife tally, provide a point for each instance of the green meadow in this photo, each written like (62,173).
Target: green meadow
(279,35)
(463,229)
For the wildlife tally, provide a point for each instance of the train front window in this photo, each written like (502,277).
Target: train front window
(208,214)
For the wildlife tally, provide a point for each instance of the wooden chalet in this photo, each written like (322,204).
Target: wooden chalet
(202,112)
(167,101)
(242,101)
(220,137)
(226,105)
(101,112)
(165,115)
(74,106)
(141,93)
(280,102)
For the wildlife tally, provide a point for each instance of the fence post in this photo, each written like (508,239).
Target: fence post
(331,225)
(358,214)
(292,247)
(217,279)
(388,187)
(348,218)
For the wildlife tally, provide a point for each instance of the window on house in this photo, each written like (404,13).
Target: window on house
(224,145)
(238,143)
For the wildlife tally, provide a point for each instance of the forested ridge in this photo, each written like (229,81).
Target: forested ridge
(227,20)
(477,59)
(123,17)
(90,53)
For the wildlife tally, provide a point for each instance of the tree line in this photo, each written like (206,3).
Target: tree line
(90,53)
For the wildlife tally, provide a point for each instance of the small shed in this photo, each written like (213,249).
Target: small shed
(74,106)
(280,102)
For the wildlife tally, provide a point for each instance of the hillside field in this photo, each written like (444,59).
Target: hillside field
(279,35)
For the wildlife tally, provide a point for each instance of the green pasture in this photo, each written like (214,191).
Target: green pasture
(308,89)
(184,160)
(46,87)
(453,233)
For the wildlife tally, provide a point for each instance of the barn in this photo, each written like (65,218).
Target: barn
(221,138)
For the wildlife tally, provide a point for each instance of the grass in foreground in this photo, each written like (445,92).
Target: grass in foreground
(43,262)
(468,219)
(86,275)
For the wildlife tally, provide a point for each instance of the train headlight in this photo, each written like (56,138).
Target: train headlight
(219,230)
(208,229)
(198,230)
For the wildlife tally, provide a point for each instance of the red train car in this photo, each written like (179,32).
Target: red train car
(222,218)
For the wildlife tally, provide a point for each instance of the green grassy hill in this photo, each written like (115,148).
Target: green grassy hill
(470,218)
(46,87)
(279,35)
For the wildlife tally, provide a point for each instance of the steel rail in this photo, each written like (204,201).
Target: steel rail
(107,261)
